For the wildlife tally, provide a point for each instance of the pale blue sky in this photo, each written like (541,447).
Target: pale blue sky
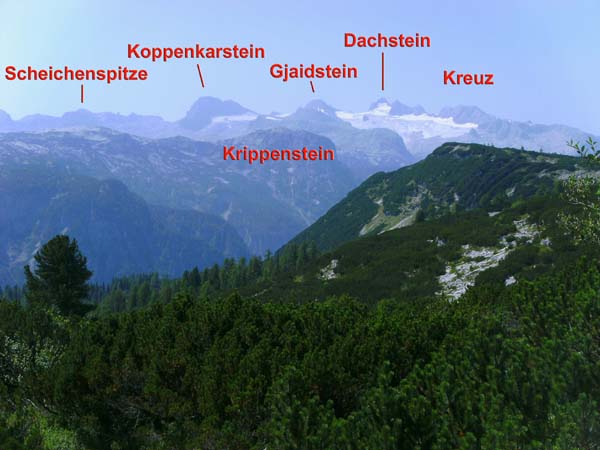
(544,54)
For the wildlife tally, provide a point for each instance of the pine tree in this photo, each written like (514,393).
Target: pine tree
(195,278)
(60,277)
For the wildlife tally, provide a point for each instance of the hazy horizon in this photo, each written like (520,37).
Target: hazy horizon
(542,54)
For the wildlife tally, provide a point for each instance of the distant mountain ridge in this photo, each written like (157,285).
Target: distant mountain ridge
(466,114)
(118,231)
(423,132)
(364,152)
(206,109)
(267,204)
(387,136)
(397,108)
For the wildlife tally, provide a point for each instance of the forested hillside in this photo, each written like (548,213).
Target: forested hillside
(510,367)
(476,326)
(120,232)
(454,177)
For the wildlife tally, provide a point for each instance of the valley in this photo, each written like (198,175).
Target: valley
(299,226)
(455,263)
(266,207)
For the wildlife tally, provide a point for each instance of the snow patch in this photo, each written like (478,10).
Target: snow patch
(406,124)
(235,118)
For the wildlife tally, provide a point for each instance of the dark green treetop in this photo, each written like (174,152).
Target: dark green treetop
(60,276)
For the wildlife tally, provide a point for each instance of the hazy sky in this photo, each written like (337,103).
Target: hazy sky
(544,54)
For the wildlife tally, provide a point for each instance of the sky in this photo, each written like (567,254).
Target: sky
(544,55)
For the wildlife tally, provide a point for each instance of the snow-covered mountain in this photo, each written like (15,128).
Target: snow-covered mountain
(423,132)
(363,151)
(381,115)
(387,136)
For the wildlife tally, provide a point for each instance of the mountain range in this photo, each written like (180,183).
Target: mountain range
(261,206)
(387,136)
(117,229)
(466,215)
(196,209)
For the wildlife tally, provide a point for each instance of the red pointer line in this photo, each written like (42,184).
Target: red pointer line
(312,86)
(382,71)
(82,93)
(200,73)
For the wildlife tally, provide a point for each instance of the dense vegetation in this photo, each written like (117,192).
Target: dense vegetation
(402,264)
(270,353)
(454,177)
(510,367)
(406,263)
(132,292)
